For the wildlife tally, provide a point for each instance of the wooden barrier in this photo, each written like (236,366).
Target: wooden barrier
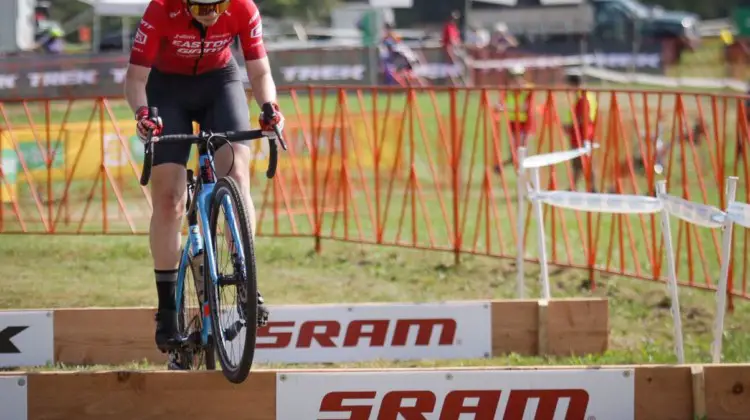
(661,393)
(117,336)
(150,395)
(557,327)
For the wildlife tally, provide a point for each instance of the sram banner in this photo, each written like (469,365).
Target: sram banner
(26,338)
(346,333)
(575,394)
(13,398)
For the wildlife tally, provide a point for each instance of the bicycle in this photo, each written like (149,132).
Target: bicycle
(207,196)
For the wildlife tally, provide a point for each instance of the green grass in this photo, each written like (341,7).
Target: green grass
(60,271)
(115,271)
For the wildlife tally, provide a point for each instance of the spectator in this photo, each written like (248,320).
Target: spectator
(502,39)
(49,35)
(581,123)
(477,36)
(741,139)
(451,34)
(519,105)
(398,60)
(367,28)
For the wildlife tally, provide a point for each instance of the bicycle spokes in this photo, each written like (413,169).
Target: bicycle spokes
(232,293)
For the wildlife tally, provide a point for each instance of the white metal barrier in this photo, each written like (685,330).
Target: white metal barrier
(738,213)
(700,215)
(535,163)
(665,204)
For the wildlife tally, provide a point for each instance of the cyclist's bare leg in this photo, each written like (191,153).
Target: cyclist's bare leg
(239,163)
(168,195)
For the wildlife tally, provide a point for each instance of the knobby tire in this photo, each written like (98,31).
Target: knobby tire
(236,374)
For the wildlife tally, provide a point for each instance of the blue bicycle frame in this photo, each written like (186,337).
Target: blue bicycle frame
(199,238)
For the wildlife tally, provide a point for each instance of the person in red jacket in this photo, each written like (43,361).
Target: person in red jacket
(181,62)
(581,123)
(451,38)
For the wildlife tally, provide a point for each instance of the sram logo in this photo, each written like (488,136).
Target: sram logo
(479,404)
(370,332)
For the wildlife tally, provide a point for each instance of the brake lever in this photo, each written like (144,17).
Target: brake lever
(279,137)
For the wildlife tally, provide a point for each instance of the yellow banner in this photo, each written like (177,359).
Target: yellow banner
(73,153)
(8,175)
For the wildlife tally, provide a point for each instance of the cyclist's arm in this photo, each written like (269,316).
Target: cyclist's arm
(143,54)
(135,86)
(261,80)
(256,58)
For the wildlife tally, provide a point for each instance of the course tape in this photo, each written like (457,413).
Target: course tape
(740,214)
(549,159)
(694,213)
(599,203)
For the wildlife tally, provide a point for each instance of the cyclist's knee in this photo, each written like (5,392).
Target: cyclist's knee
(238,165)
(168,191)
(170,203)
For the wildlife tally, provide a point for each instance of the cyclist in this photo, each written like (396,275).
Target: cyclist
(182,63)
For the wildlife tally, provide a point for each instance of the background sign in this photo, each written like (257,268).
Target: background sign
(510,394)
(13,398)
(347,333)
(26,338)
(89,75)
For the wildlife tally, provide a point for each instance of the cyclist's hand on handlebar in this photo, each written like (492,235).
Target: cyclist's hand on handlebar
(270,119)
(146,124)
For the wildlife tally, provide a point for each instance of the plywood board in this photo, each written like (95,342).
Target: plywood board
(727,391)
(514,327)
(150,395)
(105,336)
(577,326)
(663,393)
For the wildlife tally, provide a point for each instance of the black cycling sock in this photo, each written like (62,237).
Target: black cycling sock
(166,284)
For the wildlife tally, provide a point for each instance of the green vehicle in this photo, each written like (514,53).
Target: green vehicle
(625,19)
(613,22)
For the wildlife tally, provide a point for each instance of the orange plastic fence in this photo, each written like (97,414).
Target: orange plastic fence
(408,167)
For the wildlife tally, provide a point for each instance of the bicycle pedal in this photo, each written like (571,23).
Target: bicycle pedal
(173,361)
(262,319)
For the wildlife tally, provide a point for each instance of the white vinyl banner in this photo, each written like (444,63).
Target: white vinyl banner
(740,214)
(13,398)
(433,395)
(553,158)
(601,203)
(26,338)
(351,333)
(695,213)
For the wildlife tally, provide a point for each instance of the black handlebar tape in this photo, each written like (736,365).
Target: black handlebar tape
(153,113)
(271,171)
(147,161)
(148,153)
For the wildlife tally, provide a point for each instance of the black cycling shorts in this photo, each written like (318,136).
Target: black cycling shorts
(215,100)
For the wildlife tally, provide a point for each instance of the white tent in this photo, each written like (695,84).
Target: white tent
(124,9)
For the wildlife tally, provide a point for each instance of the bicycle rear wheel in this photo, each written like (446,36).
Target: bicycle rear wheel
(236,323)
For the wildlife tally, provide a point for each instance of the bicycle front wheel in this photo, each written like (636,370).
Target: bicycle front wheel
(233,297)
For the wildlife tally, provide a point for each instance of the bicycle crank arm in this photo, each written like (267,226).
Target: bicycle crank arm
(234,330)
(235,279)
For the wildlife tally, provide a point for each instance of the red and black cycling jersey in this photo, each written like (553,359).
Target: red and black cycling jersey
(169,40)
